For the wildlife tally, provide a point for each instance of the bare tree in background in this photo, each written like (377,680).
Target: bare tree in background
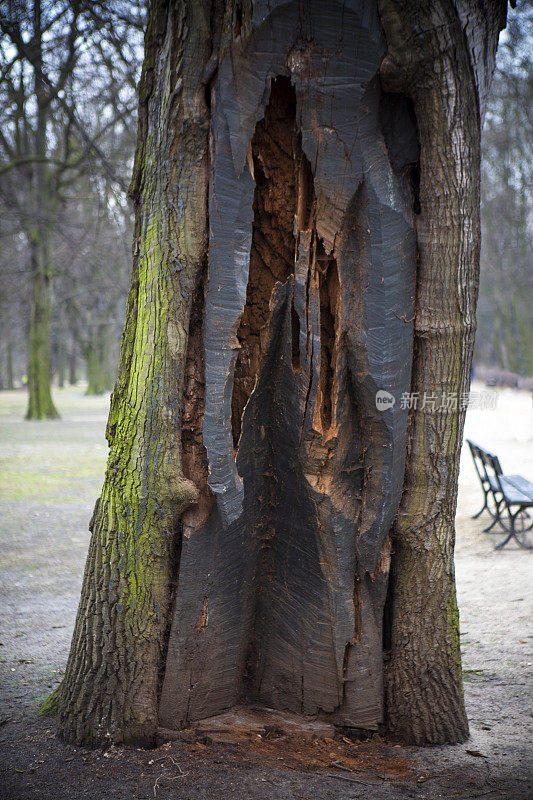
(66,83)
(14,301)
(94,267)
(505,314)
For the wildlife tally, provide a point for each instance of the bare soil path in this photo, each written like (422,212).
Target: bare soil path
(50,476)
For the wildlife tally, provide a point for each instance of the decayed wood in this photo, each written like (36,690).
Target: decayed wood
(308,313)
(242,723)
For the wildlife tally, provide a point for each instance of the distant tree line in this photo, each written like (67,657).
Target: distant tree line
(68,106)
(505,311)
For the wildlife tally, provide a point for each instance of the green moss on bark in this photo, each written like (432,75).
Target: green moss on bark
(52,704)
(111,683)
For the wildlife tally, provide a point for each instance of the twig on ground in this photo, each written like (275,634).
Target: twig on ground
(169,777)
(155,784)
(352,780)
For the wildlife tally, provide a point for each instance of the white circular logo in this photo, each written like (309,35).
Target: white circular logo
(384,400)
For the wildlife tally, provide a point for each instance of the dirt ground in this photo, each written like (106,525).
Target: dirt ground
(50,476)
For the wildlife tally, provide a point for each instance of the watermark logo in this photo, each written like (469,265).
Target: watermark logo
(384,400)
(440,401)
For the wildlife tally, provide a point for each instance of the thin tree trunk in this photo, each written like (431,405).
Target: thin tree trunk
(73,364)
(61,361)
(98,359)
(10,383)
(424,683)
(92,361)
(40,404)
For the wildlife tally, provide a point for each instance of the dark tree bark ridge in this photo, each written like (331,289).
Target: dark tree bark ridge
(281,589)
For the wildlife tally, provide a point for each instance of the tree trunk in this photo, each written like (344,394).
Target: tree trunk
(40,404)
(98,359)
(246,558)
(73,364)
(61,361)
(92,360)
(6,374)
(9,356)
(113,672)
(423,678)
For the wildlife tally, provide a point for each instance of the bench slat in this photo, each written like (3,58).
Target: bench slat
(513,494)
(522,484)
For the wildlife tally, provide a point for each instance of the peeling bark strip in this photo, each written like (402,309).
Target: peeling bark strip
(246,557)
(311,276)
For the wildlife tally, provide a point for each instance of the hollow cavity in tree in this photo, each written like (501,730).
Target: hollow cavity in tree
(275,601)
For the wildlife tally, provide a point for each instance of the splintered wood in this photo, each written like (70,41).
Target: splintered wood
(284,562)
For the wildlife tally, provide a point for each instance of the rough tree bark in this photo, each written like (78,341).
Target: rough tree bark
(294,193)
(442,55)
(113,672)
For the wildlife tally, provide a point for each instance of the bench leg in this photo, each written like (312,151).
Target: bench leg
(513,533)
(482,509)
(507,539)
(497,517)
(521,535)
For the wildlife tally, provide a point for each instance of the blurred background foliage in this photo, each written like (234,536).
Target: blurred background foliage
(505,312)
(68,75)
(68,115)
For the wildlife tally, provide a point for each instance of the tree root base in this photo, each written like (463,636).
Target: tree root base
(241,724)
(289,739)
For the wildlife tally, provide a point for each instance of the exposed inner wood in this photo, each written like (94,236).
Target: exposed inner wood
(194,461)
(274,148)
(329,294)
(281,591)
